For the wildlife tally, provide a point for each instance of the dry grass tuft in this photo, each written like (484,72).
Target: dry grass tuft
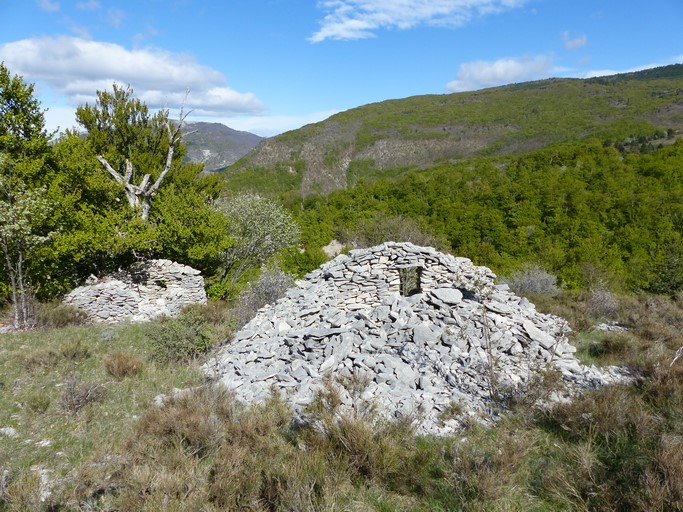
(74,351)
(192,423)
(45,359)
(55,315)
(121,365)
(22,494)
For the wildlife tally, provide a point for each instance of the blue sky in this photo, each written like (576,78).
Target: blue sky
(268,66)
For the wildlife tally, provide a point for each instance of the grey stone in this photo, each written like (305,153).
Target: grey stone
(329,363)
(8,431)
(165,289)
(424,335)
(448,295)
(536,334)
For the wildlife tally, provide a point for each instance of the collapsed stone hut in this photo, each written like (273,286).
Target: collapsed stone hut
(145,291)
(432,334)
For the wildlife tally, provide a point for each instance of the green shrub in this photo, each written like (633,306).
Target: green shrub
(298,263)
(532,279)
(37,400)
(181,339)
(618,345)
(215,312)
(74,351)
(22,493)
(271,284)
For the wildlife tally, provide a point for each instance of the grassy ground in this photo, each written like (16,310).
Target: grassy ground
(80,400)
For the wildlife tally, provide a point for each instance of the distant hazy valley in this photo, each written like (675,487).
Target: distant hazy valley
(217,145)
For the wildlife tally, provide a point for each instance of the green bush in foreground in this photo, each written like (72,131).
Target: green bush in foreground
(182,339)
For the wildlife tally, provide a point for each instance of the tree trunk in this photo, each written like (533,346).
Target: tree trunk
(25,313)
(13,282)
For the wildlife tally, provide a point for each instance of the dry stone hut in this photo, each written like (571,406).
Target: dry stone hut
(430,334)
(147,290)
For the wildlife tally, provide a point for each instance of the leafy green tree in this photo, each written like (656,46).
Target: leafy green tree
(22,122)
(136,148)
(21,213)
(260,228)
(666,273)
(187,226)
(23,204)
(167,207)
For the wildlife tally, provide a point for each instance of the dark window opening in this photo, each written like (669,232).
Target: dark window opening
(410,280)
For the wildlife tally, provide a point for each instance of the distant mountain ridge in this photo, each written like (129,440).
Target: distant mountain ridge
(216,145)
(402,135)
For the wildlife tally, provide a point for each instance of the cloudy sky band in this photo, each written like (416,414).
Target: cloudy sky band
(69,69)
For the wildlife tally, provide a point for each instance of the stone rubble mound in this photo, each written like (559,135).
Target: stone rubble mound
(427,332)
(146,290)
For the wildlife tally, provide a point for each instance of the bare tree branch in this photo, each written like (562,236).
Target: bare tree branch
(129,171)
(110,169)
(174,138)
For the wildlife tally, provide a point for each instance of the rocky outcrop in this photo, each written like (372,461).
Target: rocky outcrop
(147,290)
(429,334)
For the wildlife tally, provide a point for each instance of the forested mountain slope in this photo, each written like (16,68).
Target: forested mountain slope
(395,136)
(584,211)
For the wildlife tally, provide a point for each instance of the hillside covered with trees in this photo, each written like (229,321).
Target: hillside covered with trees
(633,110)
(584,211)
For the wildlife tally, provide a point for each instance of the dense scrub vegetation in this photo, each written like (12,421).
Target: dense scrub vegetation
(585,212)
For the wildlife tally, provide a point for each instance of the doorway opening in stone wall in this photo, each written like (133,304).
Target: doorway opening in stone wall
(410,278)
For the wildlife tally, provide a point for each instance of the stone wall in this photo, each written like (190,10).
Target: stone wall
(365,277)
(145,291)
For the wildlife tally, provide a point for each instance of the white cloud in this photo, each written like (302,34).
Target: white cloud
(77,68)
(269,126)
(115,17)
(480,74)
(89,5)
(572,43)
(48,5)
(359,19)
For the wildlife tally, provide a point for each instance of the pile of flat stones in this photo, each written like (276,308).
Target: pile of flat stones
(430,336)
(145,291)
